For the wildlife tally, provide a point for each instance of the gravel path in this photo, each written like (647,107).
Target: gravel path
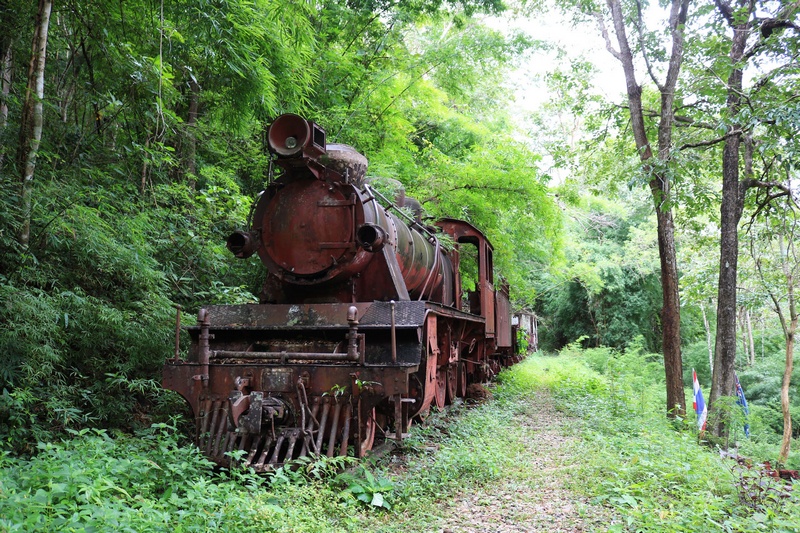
(536,499)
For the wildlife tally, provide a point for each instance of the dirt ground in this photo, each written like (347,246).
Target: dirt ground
(536,499)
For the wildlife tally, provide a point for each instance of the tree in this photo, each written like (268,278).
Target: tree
(6,51)
(30,131)
(780,281)
(656,167)
(12,15)
(610,285)
(740,116)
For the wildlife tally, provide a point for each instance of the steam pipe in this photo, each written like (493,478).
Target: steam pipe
(205,351)
(371,237)
(242,244)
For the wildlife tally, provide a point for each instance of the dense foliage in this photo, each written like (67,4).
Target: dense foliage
(150,482)
(610,290)
(152,151)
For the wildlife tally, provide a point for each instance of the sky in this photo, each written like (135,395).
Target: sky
(527,82)
(578,42)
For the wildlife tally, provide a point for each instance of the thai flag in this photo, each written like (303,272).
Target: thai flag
(699,404)
(740,399)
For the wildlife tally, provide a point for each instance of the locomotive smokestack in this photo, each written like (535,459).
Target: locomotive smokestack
(292,136)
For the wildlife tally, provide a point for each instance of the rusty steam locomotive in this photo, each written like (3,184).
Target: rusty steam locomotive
(362,323)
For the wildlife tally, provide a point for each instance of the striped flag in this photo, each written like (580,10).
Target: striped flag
(740,399)
(699,404)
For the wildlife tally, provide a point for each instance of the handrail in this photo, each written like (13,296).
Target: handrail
(282,356)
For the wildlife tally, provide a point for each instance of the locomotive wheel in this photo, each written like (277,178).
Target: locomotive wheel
(452,382)
(441,386)
(461,380)
(368,434)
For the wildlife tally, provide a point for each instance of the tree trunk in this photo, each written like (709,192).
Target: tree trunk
(747,336)
(33,117)
(660,188)
(5,89)
(790,264)
(708,340)
(789,331)
(787,378)
(751,340)
(5,83)
(670,312)
(722,381)
(740,327)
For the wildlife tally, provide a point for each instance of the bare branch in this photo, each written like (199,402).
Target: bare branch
(649,113)
(691,105)
(632,87)
(759,184)
(777,23)
(767,77)
(757,262)
(677,20)
(783,190)
(692,122)
(710,142)
(726,10)
(602,24)
(640,28)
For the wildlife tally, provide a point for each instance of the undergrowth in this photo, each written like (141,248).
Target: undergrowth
(648,472)
(657,474)
(101,481)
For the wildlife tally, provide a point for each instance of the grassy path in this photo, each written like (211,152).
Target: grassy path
(534,494)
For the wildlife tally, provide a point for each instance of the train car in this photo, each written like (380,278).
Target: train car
(362,324)
(526,327)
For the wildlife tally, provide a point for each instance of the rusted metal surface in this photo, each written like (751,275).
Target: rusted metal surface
(308,222)
(503,317)
(177,333)
(360,327)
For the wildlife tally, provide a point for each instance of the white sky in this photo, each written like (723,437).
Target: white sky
(579,43)
(583,43)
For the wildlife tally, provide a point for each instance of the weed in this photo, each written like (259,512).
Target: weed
(366,487)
